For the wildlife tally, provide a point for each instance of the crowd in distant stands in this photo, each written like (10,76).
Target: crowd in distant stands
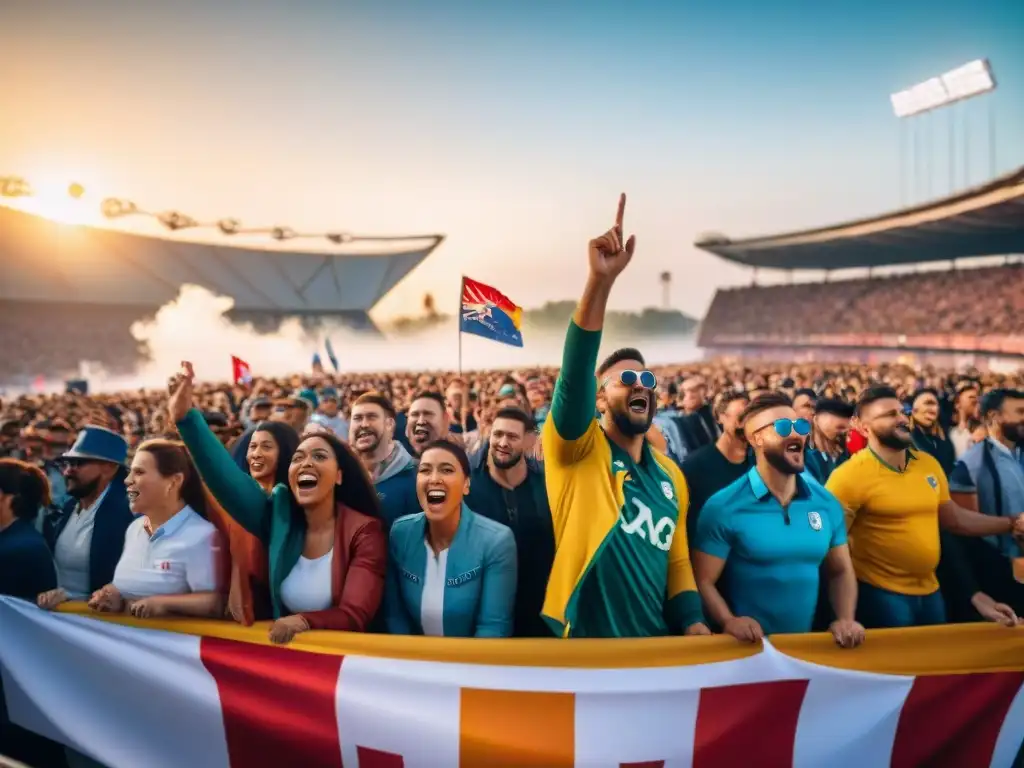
(944,302)
(44,339)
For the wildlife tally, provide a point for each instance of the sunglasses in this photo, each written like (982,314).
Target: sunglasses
(786,427)
(629,379)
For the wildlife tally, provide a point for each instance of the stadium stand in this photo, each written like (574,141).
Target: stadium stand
(960,310)
(65,290)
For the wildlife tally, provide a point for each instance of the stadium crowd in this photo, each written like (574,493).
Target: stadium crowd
(908,304)
(681,500)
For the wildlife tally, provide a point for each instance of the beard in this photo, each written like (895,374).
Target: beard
(783,461)
(1014,433)
(895,440)
(506,463)
(80,490)
(374,444)
(633,424)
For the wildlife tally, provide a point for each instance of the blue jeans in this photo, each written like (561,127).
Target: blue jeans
(881,609)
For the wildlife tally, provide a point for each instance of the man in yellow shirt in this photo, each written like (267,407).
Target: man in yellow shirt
(895,500)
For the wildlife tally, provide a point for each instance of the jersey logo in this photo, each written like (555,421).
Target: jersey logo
(815,521)
(932,482)
(659,535)
(666,488)
(618,464)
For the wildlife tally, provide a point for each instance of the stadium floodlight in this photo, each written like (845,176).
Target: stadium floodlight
(339,237)
(229,226)
(283,233)
(972,79)
(112,208)
(174,220)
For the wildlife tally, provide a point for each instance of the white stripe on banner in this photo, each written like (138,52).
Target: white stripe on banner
(383,707)
(848,719)
(123,696)
(1009,742)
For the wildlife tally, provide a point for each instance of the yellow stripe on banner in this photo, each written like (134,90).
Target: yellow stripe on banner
(947,650)
(517,729)
(951,649)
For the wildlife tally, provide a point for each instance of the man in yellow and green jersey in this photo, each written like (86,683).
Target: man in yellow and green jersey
(622,565)
(896,499)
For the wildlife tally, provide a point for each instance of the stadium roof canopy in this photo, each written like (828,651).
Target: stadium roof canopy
(41,260)
(983,221)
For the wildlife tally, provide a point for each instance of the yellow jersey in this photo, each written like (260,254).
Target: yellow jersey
(892,519)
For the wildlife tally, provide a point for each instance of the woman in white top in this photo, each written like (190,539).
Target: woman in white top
(173,558)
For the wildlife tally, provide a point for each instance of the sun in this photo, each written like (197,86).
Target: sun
(63,201)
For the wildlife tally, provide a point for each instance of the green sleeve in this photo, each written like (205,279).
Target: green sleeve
(575,396)
(235,490)
(684,610)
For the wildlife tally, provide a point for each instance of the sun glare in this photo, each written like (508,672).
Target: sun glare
(62,200)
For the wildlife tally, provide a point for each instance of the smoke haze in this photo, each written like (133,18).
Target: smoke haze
(195,327)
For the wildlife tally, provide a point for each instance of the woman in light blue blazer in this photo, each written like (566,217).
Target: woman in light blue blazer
(451,572)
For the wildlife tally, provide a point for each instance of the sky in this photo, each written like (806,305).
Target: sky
(509,127)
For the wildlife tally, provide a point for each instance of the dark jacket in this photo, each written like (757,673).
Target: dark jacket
(526,511)
(819,465)
(396,487)
(26,565)
(112,520)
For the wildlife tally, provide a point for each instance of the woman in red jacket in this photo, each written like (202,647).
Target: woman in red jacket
(324,538)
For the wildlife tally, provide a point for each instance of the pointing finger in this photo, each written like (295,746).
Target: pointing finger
(620,214)
(187,366)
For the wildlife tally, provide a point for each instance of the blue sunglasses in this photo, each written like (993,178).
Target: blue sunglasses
(786,427)
(647,379)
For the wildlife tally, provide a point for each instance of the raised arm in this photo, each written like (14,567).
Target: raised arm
(240,496)
(573,404)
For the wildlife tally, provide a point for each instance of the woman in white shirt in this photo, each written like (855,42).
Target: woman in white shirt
(172,561)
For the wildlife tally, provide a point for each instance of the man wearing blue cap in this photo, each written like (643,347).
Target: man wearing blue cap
(87,536)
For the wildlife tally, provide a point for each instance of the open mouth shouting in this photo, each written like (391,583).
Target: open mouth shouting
(639,404)
(435,498)
(421,433)
(133,496)
(365,437)
(794,450)
(256,466)
(306,482)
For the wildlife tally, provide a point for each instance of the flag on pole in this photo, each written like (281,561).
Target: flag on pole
(318,365)
(330,354)
(240,371)
(489,313)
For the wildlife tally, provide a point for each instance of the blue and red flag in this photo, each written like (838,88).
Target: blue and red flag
(489,313)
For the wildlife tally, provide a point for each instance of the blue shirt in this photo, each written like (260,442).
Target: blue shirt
(772,555)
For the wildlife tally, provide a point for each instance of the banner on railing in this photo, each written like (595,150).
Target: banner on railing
(208,694)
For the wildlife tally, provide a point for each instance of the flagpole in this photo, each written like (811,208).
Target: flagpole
(458,318)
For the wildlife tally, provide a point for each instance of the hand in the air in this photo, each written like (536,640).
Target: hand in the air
(609,254)
(180,388)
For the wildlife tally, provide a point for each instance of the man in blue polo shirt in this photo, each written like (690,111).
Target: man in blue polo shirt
(768,534)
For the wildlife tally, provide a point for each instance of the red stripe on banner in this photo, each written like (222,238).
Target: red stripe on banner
(953,720)
(740,723)
(278,704)
(375,758)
